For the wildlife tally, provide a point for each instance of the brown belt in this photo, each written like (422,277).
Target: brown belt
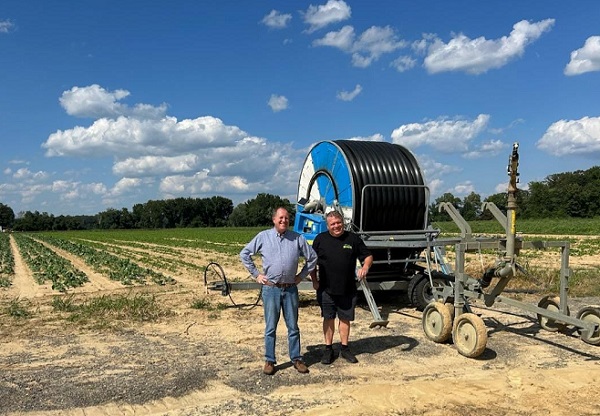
(281,285)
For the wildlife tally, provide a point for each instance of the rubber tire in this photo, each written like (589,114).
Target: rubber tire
(420,291)
(469,335)
(551,303)
(590,314)
(450,307)
(437,322)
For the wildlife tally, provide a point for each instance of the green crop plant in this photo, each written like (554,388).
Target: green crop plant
(18,308)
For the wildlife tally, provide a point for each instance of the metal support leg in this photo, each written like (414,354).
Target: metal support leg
(377,319)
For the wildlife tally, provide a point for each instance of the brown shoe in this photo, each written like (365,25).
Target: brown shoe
(300,366)
(269,368)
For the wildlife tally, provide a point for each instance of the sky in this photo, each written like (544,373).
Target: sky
(107,104)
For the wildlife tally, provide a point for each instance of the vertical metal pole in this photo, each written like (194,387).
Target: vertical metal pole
(511,206)
(565,273)
(459,279)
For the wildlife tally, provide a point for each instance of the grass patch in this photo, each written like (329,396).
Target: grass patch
(5,281)
(584,282)
(546,226)
(207,305)
(110,309)
(64,303)
(18,308)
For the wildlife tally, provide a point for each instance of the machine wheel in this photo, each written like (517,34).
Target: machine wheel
(437,322)
(469,334)
(551,303)
(213,273)
(421,293)
(590,314)
(450,306)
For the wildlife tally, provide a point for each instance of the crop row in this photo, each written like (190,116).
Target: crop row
(7,261)
(116,268)
(46,265)
(227,241)
(165,258)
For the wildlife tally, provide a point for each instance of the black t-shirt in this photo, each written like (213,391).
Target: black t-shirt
(337,261)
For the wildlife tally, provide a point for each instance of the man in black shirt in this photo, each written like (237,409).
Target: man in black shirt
(337,251)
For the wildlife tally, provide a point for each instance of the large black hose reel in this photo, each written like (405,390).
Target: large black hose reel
(378,185)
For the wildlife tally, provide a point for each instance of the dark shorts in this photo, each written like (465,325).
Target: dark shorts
(341,306)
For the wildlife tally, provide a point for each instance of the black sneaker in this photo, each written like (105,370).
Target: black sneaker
(327,356)
(348,356)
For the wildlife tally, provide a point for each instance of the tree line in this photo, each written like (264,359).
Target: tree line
(563,195)
(215,211)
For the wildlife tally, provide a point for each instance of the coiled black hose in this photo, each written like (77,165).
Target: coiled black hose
(385,208)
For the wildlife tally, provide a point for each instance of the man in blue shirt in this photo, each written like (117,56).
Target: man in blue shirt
(281,250)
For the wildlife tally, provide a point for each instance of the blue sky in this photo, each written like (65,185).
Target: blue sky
(105,104)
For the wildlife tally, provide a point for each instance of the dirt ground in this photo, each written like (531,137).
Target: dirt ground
(209,361)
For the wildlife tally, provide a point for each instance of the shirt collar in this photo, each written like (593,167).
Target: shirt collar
(277,233)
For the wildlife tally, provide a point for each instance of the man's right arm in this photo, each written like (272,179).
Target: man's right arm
(246,256)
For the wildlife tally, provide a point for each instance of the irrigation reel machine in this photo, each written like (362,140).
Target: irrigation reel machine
(379,189)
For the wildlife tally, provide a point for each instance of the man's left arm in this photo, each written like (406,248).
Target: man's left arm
(366,265)
(366,259)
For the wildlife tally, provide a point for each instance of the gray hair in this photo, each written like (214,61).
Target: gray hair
(335,214)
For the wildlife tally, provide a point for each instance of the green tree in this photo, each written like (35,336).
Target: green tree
(435,214)
(471,207)
(259,211)
(7,216)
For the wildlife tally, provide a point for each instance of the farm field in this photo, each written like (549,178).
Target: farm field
(120,323)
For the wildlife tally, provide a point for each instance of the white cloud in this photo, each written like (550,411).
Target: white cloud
(568,137)
(201,184)
(246,168)
(276,20)
(420,46)
(490,148)
(476,56)
(367,48)
(155,165)
(68,190)
(435,187)
(586,59)
(377,137)
(95,102)
(6,26)
(63,186)
(433,172)
(159,157)
(403,63)
(333,11)
(463,189)
(26,174)
(342,39)
(278,103)
(373,43)
(501,188)
(127,137)
(512,124)
(444,135)
(349,95)
(124,185)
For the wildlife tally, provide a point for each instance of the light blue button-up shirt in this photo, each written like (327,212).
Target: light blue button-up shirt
(280,255)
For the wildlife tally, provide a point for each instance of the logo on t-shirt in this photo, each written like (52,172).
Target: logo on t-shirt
(347,246)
